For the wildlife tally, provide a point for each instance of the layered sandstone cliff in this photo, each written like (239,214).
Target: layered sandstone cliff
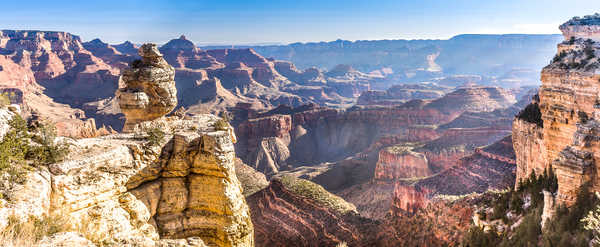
(558,132)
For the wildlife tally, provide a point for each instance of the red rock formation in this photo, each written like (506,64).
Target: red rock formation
(408,199)
(401,162)
(55,64)
(490,167)
(440,223)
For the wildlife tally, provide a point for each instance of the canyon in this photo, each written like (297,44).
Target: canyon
(360,154)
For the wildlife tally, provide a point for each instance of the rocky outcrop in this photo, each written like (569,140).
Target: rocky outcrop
(489,167)
(149,88)
(129,192)
(408,199)
(559,132)
(476,99)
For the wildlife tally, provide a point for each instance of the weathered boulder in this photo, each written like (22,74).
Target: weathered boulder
(149,88)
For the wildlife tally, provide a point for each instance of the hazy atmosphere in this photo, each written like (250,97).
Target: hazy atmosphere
(300,123)
(270,21)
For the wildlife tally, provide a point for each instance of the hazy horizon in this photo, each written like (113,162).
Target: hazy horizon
(283,22)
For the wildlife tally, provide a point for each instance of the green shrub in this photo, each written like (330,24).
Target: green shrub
(47,151)
(20,151)
(559,57)
(154,136)
(531,113)
(13,150)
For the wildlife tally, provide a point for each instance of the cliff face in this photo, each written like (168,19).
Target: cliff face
(401,162)
(132,193)
(552,137)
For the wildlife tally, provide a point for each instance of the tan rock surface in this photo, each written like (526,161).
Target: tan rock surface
(128,193)
(565,136)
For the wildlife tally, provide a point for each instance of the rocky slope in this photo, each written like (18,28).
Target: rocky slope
(401,93)
(296,212)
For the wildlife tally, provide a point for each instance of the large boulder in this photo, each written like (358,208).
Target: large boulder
(149,88)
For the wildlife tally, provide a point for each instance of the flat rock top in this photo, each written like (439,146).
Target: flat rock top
(587,20)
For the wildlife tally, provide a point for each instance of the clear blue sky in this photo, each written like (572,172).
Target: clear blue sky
(249,21)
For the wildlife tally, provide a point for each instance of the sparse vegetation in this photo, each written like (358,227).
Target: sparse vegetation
(136,63)
(559,57)
(223,122)
(566,228)
(154,136)
(583,117)
(28,232)
(13,150)
(47,150)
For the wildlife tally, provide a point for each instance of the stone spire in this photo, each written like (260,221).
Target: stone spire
(149,88)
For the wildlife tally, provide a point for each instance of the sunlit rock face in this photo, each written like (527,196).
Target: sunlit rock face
(563,136)
(149,91)
(182,191)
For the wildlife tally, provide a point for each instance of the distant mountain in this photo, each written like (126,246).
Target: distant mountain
(497,56)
